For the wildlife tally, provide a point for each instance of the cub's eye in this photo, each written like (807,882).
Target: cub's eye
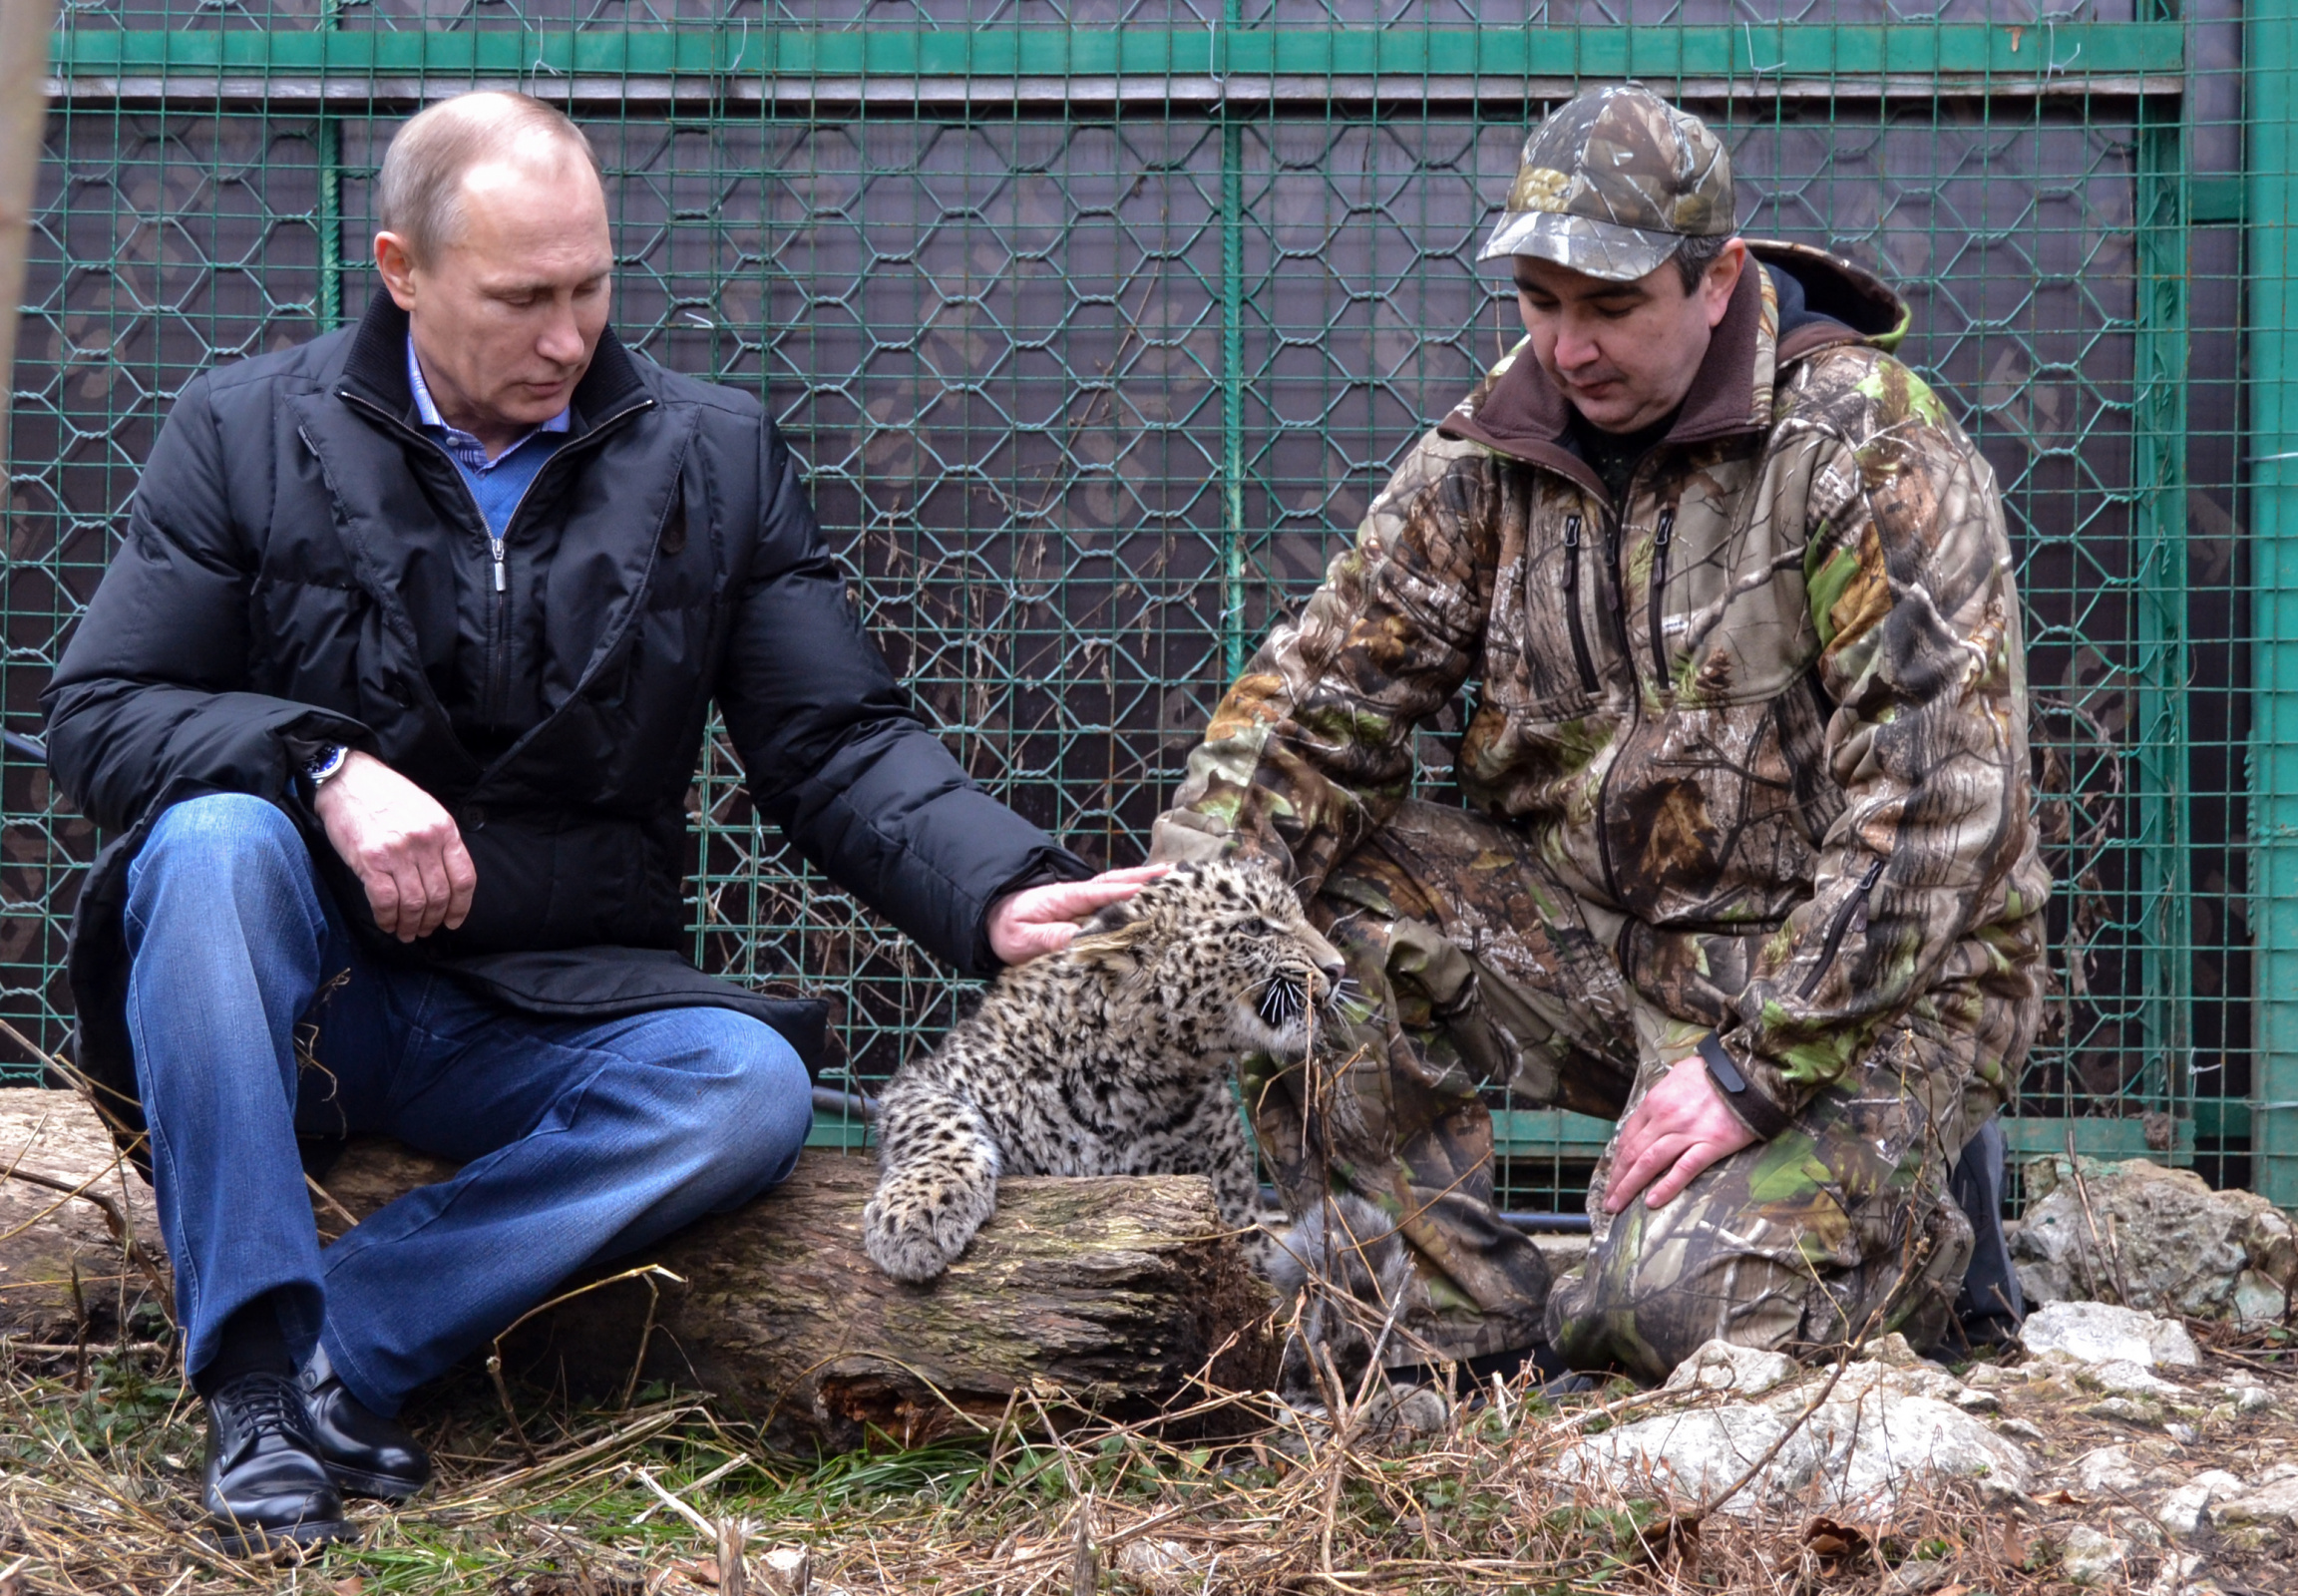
(1269,927)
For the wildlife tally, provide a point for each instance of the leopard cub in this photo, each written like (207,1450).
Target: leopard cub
(1110,1057)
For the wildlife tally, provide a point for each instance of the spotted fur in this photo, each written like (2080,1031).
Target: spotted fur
(1110,1057)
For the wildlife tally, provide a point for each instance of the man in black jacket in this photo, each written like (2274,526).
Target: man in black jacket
(394,693)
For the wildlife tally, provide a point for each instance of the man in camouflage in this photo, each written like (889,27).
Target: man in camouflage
(1745,855)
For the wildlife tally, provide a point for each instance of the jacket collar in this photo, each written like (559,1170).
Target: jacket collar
(1518,412)
(375,369)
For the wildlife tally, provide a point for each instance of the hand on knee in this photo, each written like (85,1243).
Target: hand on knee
(1678,1129)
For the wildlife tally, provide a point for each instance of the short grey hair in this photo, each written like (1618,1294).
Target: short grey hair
(1693,256)
(418,193)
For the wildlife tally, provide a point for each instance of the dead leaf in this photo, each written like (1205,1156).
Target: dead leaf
(1839,1548)
(354,1585)
(1673,1544)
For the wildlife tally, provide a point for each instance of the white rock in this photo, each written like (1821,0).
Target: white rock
(2271,1506)
(1881,1444)
(788,1569)
(1856,1453)
(1861,1378)
(1979,1402)
(2183,1510)
(2100,1333)
(2184,1434)
(1691,1457)
(2127,1379)
(2020,1428)
(2104,1470)
(1721,1366)
(2171,1580)
(2251,1398)
(1893,1349)
(2091,1556)
(2162,1234)
(2135,1526)
(2258,1299)
(1161,1565)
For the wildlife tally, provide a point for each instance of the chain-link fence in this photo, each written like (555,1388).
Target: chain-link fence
(1097,327)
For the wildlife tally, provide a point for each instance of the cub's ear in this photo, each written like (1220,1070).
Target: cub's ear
(1110,917)
(1109,941)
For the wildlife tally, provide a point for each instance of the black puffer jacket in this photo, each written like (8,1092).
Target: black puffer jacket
(304,565)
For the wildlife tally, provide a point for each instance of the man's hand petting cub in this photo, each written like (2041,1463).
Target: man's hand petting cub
(1036,921)
(403,846)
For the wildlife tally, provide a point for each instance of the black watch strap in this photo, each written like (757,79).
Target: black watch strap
(1758,1112)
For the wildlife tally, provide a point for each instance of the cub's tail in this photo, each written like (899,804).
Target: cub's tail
(1349,1265)
(937,1182)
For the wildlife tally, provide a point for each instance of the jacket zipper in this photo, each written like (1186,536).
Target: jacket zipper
(499,621)
(1572,620)
(1652,600)
(498,663)
(1835,933)
(1820,699)
(1619,612)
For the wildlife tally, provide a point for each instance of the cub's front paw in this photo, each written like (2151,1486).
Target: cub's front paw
(913,1230)
(899,1240)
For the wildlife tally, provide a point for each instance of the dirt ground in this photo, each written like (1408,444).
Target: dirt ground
(102,1457)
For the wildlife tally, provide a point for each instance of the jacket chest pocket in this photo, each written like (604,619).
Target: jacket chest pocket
(1557,636)
(1724,618)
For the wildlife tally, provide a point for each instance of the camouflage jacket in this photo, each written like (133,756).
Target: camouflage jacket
(1767,717)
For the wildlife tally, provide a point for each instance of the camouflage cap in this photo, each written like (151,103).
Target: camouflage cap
(1613,182)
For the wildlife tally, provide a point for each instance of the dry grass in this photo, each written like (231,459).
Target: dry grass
(100,1465)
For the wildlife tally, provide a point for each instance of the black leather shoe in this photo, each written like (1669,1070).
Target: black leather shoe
(366,1454)
(264,1487)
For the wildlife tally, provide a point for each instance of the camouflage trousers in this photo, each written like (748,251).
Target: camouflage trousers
(1485,980)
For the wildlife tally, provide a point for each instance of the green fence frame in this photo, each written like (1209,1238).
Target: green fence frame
(2271,193)
(1228,73)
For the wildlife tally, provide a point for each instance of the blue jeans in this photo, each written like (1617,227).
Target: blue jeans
(578,1140)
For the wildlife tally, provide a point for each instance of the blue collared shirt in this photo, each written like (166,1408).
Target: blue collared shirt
(499,484)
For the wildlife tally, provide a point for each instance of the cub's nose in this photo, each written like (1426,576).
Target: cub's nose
(1333,971)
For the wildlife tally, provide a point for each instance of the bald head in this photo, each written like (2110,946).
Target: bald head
(422,193)
(496,243)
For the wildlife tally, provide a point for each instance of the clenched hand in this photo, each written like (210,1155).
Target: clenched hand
(1679,1128)
(402,845)
(1041,920)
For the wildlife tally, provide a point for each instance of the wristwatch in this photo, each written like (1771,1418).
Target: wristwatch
(1756,1111)
(326,762)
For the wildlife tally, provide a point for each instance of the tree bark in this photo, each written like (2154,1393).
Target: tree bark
(1116,1291)
(24,29)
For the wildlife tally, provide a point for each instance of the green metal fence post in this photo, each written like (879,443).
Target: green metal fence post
(2271,56)
(1231,367)
(330,228)
(2159,574)
(331,205)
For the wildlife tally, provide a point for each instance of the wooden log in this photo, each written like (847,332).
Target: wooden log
(1114,1291)
(65,1276)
